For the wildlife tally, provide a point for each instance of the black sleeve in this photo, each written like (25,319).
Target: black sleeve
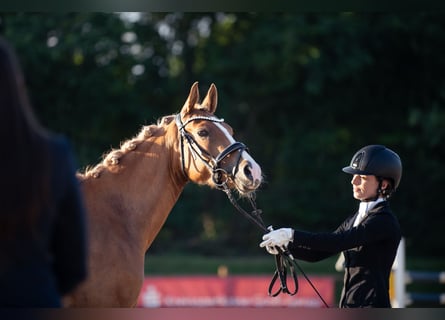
(306,252)
(375,228)
(69,235)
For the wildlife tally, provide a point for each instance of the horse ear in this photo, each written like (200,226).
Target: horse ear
(192,99)
(211,99)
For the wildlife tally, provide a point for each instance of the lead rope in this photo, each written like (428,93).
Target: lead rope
(255,217)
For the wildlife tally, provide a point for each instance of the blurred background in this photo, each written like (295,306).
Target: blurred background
(302,91)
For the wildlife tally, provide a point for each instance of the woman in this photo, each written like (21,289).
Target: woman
(42,218)
(368,239)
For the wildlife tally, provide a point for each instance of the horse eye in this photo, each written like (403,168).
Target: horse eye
(203,133)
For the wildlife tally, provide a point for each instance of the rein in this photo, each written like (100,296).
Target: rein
(283,260)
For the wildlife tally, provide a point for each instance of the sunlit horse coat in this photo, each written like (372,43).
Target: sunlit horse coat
(131,193)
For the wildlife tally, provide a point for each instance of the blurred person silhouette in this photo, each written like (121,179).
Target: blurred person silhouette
(368,238)
(42,218)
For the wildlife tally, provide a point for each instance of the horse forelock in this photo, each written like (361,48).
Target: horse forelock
(113,158)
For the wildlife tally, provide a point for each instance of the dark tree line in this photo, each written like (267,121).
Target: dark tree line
(303,91)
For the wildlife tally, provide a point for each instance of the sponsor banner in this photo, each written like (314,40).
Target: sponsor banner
(231,291)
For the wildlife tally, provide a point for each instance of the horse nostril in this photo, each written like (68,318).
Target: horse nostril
(247,171)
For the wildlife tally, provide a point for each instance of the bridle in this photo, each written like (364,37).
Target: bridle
(220,175)
(284,259)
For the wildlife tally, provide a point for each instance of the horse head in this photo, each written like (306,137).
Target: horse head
(209,153)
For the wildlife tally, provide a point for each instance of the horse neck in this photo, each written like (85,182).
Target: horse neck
(159,182)
(144,187)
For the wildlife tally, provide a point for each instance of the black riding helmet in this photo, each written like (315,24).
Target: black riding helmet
(379,161)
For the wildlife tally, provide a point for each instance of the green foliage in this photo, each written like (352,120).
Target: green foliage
(303,91)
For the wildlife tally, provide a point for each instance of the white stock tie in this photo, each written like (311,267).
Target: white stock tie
(364,209)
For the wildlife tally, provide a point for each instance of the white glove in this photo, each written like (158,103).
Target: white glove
(277,238)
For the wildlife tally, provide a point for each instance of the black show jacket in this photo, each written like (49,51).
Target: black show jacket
(369,249)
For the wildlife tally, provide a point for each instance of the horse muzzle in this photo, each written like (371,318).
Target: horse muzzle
(244,174)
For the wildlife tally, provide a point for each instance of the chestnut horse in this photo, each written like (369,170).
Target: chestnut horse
(130,194)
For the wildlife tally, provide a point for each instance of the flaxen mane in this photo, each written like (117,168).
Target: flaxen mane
(114,156)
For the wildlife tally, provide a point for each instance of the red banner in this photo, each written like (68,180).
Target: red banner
(231,291)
